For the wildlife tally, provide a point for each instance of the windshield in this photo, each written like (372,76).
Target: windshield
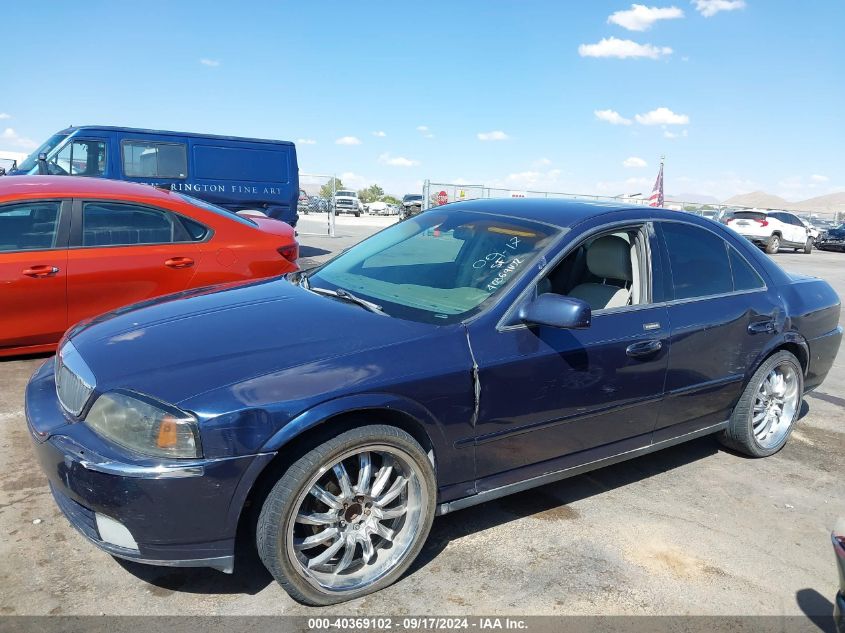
(29,162)
(440,267)
(410,197)
(347,194)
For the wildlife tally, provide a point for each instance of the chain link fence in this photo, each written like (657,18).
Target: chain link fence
(438,193)
(316,194)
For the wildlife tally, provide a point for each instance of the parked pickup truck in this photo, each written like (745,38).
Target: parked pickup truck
(347,202)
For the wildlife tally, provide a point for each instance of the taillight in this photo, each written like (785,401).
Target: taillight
(763,222)
(289,252)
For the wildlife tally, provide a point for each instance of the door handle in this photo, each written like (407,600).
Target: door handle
(179,262)
(41,271)
(643,349)
(762,327)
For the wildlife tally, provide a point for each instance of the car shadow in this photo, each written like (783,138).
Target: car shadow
(817,608)
(38,356)
(552,501)
(312,251)
(249,576)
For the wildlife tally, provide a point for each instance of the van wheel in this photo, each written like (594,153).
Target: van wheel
(773,245)
(808,246)
(348,517)
(765,414)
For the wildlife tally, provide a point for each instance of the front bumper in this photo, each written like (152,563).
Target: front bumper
(181,513)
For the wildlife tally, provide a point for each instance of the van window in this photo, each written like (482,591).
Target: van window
(79,158)
(213,162)
(149,159)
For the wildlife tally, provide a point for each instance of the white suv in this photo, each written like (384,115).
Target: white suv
(772,230)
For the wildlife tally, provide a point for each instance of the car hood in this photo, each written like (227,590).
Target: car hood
(836,233)
(182,345)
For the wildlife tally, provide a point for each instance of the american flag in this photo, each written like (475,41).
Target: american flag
(656,198)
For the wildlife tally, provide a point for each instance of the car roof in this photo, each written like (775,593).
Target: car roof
(557,212)
(138,130)
(59,186)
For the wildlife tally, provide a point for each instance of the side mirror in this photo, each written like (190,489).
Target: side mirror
(42,164)
(556,311)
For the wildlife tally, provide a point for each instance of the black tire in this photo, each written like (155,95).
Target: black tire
(808,246)
(773,244)
(281,505)
(739,434)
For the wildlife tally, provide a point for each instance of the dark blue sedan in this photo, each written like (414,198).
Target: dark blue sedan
(476,350)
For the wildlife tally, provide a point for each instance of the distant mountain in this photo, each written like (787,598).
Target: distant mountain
(759,199)
(830,203)
(694,197)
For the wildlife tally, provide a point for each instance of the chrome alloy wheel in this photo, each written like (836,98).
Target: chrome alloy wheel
(357,518)
(775,405)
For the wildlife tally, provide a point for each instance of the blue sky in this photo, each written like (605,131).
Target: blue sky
(739,94)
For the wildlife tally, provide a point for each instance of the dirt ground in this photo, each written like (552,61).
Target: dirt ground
(693,529)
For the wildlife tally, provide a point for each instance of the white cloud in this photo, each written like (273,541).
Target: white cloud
(348,140)
(3,115)
(380,134)
(662,116)
(819,178)
(10,138)
(423,129)
(672,135)
(397,161)
(532,179)
(495,135)
(354,181)
(709,8)
(213,63)
(622,49)
(541,162)
(306,141)
(612,117)
(640,17)
(634,162)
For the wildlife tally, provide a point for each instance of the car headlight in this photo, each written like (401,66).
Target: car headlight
(144,425)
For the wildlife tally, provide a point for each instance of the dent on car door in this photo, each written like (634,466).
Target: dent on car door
(554,398)
(122,253)
(722,318)
(33,257)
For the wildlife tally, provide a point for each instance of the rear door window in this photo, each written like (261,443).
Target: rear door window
(699,261)
(151,159)
(31,226)
(744,275)
(119,224)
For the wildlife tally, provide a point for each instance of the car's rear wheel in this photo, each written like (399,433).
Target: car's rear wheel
(773,245)
(768,409)
(348,517)
(808,246)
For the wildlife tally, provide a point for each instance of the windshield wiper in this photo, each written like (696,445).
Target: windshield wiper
(340,293)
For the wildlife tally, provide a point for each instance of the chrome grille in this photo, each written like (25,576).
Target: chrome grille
(74,380)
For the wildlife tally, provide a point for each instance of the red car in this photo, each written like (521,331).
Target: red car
(72,248)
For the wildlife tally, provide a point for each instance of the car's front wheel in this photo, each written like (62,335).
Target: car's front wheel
(768,409)
(808,246)
(348,517)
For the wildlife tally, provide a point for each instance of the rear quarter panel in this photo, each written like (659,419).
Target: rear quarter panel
(813,309)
